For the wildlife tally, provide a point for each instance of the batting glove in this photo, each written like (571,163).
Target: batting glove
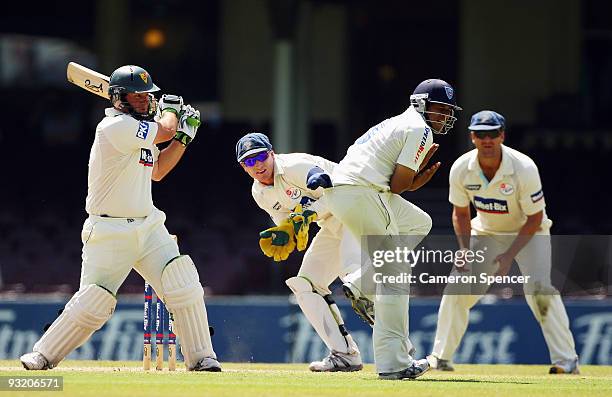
(301,220)
(171,103)
(278,242)
(317,178)
(189,123)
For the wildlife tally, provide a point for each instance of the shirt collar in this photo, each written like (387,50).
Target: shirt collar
(505,168)
(411,109)
(278,165)
(111,112)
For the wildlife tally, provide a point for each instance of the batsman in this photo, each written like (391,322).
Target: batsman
(280,188)
(125,231)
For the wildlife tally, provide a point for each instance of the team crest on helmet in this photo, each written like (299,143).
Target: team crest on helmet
(248,145)
(449,92)
(144,77)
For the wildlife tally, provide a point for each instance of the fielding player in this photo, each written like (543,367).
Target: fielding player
(279,186)
(504,186)
(390,158)
(124,230)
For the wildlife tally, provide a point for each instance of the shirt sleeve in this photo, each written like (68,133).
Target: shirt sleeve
(417,144)
(457,194)
(127,134)
(531,195)
(296,173)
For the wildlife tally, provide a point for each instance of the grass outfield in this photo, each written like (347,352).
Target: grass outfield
(114,378)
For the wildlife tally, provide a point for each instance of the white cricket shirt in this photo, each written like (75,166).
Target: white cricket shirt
(289,189)
(120,166)
(502,204)
(404,139)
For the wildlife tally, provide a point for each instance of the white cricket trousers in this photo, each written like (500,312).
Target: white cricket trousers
(333,253)
(112,247)
(367,212)
(545,302)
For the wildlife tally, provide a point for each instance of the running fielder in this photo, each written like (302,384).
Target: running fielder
(388,159)
(124,230)
(279,188)
(504,187)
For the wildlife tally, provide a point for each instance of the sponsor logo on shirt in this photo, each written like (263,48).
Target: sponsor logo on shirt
(143,130)
(421,145)
(146,157)
(491,206)
(506,189)
(537,196)
(366,137)
(293,192)
(277,206)
(473,187)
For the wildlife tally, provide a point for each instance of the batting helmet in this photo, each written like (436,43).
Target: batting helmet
(435,91)
(132,79)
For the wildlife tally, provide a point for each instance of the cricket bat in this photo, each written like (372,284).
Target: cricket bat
(88,79)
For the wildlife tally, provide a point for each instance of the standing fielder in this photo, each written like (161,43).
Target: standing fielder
(124,230)
(504,186)
(279,186)
(387,160)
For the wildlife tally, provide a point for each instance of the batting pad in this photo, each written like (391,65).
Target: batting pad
(323,315)
(84,314)
(184,298)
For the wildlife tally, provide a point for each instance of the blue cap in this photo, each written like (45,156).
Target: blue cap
(252,143)
(486,120)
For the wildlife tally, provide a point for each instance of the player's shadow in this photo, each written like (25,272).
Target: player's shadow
(473,381)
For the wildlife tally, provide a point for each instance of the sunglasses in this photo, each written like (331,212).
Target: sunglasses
(251,161)
(490,133)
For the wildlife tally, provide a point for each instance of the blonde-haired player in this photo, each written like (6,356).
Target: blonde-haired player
(279,186)
(504,187)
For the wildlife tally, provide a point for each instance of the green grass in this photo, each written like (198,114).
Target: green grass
(110,379)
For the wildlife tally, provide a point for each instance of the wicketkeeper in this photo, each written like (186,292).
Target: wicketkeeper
(280,188)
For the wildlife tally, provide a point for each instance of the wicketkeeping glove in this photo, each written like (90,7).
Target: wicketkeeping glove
(301,220)
(279,241)
(171,103)
(189,123)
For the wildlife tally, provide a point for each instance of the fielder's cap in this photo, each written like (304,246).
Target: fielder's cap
(486,120)
(252,143)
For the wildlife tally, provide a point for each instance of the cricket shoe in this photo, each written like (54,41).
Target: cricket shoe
(416,369)
(361,305)
(565,367)
(35,361)
(208,364)
(338,362)
(439,364)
